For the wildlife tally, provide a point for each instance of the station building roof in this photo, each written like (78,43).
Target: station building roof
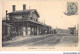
(24,12)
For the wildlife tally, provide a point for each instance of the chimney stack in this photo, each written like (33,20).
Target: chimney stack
(24,6)
(14,7)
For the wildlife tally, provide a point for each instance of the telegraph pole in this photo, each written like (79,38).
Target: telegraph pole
(29,7)
(44,21)
(6,17)
(6,23)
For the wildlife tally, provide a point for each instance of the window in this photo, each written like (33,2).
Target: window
(31,18)
(36,20)
(22,16)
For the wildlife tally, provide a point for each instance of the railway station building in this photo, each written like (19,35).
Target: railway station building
(25,22)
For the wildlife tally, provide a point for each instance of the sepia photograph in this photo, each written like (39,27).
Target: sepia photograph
(43,23)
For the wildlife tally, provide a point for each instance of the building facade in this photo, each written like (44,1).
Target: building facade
(71,31)
(25,22)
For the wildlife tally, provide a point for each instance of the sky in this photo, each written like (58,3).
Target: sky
(50,11)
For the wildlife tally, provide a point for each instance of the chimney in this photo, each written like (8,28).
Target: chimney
(14,7)
(24,6)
